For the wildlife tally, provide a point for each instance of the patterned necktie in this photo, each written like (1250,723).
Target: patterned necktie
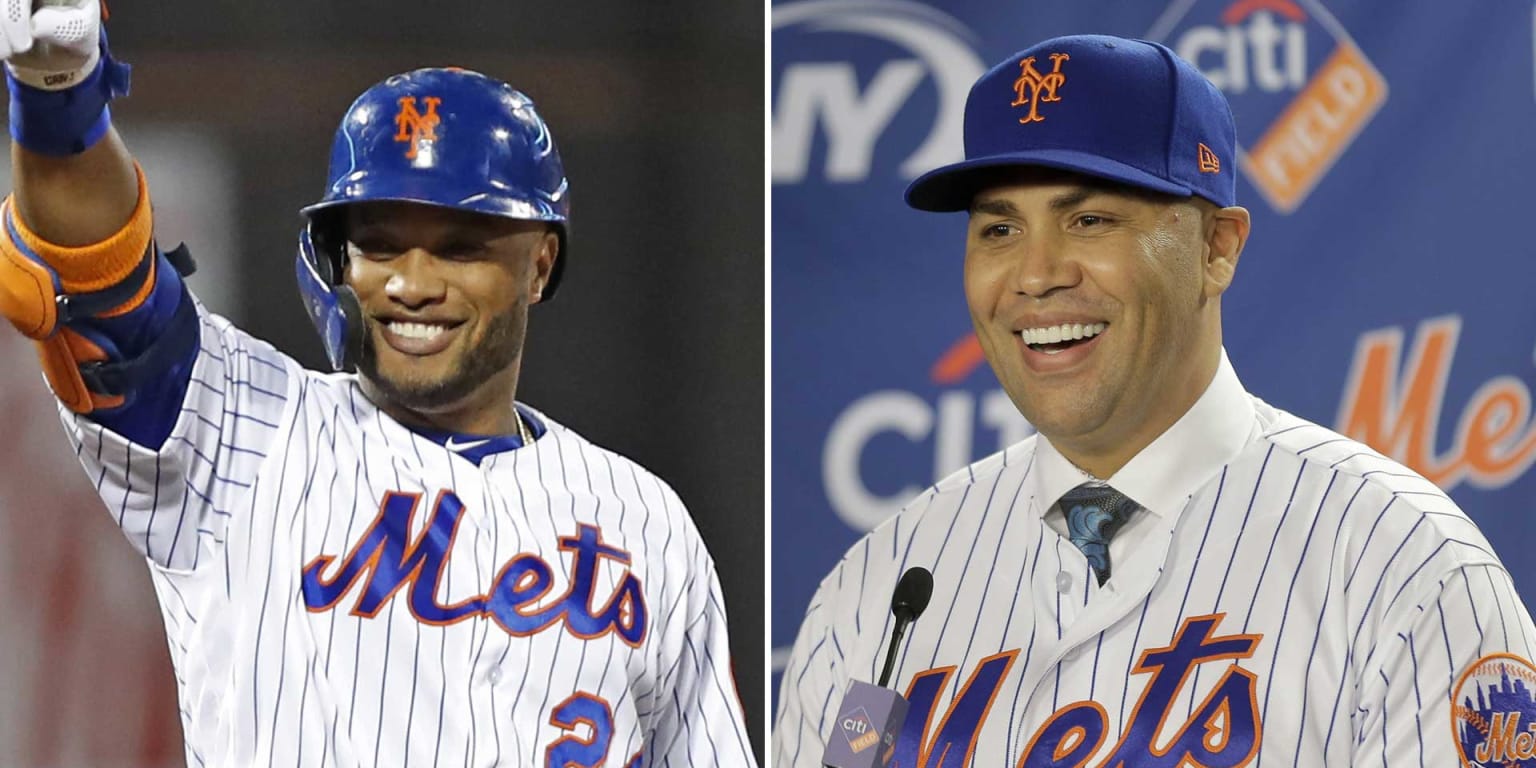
(1094,512)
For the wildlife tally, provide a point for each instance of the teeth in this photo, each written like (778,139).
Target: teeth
(416,330)
(1058,333)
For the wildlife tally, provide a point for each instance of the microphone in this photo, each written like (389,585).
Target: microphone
(871,715)
(907,603)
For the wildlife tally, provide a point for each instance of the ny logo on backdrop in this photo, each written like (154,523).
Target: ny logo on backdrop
(837,107)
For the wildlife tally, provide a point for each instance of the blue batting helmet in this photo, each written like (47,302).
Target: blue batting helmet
(445,137)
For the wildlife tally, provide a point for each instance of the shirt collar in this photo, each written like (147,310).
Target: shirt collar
(1169,470)
(474,447)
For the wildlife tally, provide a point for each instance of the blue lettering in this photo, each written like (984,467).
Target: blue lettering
(389,558)
(1170,666)
(590,551)
(1068,739)
(1223,732)
(952,746)
(571,751)
(386,558)
(522,582)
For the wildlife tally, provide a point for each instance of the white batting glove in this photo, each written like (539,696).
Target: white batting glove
(53,48)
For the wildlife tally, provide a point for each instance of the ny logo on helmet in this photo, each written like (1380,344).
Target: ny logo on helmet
(1039,87)
(415,127)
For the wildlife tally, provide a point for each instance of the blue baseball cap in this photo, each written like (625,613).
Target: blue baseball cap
(1130,111)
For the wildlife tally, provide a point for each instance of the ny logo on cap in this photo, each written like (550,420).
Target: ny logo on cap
(1039,87)
(415,127)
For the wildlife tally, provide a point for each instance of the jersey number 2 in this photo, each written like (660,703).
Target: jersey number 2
(573,751)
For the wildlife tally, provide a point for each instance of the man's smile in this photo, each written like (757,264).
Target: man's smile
(417,338)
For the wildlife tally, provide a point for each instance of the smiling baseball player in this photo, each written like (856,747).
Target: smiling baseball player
(402,566)
(1171,573)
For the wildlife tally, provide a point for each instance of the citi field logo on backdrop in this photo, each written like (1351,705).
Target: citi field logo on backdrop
(966,418)
(1299,86)
(835,107)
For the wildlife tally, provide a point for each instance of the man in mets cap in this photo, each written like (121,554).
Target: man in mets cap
(1133,113)
(1171,571)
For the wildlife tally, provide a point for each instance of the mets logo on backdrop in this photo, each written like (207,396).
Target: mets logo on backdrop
(1396,393)
(1300,86)
(1039,87)
(1493,712)
(415,127)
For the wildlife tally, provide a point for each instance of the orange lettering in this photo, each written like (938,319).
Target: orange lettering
(1400,422)
(1522,744)
(1396,409)
(1302,144)
(1496,452)
(1501,738)
(415,127)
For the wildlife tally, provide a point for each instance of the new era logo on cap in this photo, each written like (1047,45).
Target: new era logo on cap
(1125,110)
(1209,162)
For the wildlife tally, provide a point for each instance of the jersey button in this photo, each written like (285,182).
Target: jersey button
(494,676)
(1063,582)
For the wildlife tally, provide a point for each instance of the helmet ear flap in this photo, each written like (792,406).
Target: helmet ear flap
(327,235)
(332,306)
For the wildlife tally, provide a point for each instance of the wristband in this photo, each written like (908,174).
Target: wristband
(69,121)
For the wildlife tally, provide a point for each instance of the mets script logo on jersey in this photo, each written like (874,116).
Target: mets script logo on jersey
(1038,87)
(1493,712)
(416,128)
(1223,732)
(1304,88)
(876,445)
(386,559)
(828,107)
(1399,414)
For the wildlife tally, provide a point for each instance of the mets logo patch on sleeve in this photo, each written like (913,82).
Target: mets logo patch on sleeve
(1493,712)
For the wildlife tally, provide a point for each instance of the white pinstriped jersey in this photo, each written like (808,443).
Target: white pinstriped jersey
(1286,596)
(340,591)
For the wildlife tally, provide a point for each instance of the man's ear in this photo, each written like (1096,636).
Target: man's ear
(545,250)
(1226,233)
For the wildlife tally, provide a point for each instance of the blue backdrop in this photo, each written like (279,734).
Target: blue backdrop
(1386,291)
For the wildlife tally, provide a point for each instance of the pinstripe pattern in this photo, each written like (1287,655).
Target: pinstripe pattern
(270,466)
(1365,589)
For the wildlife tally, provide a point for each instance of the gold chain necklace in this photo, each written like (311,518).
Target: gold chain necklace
(522,428)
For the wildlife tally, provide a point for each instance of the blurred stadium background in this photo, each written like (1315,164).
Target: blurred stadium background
(654,348)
